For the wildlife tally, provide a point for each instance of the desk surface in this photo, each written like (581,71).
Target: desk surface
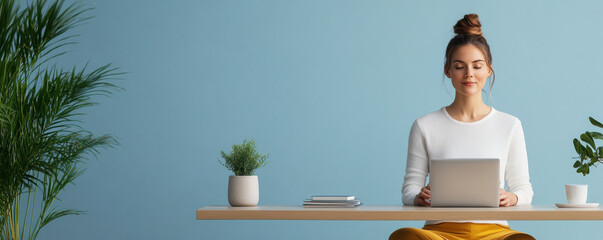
(396,212)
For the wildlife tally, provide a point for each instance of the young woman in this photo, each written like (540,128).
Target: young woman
(467,128)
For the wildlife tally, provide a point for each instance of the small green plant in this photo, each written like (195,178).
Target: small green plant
(243,160)
(589,154)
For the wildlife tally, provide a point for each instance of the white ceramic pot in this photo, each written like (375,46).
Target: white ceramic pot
(576,193)
(243,191)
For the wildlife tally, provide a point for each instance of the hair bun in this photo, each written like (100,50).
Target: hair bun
(469,25)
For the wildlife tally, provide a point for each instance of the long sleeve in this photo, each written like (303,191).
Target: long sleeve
(416,165)
(437,135)
(517,174)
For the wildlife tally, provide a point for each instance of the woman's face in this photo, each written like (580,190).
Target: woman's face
(468,70)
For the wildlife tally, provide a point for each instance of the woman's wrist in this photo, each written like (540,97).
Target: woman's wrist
(516,199)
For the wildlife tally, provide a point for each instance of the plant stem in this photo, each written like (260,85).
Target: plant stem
(33,205)
(26,213)
(10,221)
(43,208)
(7,225)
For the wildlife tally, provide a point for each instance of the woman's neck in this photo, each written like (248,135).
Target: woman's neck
(468,108)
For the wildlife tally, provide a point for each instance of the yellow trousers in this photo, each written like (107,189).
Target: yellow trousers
(459,231)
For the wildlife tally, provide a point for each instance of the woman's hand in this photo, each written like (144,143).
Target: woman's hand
(422,198)
(507,199)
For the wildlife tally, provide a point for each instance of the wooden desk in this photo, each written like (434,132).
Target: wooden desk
(396,212)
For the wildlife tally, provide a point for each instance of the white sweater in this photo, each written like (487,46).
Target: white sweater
(498,135)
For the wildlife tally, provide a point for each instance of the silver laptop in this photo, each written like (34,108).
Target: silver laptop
(465,182)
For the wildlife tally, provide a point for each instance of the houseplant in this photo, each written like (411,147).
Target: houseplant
(42,145)
(243,186)
(588,155)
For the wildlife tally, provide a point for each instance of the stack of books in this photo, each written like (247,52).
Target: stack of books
(343,201)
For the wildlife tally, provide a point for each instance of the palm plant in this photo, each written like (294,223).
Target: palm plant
(42,145)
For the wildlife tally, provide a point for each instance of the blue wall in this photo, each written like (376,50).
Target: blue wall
(330,90)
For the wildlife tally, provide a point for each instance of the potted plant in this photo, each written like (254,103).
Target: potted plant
(243,186)
(588,155)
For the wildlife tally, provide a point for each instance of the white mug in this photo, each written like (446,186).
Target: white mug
(576,193)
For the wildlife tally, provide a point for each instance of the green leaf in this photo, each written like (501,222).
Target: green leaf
(601,151)
(578,146)
(588,138)
(57,214)
(589,152)
(577,164)
(597,135)
(595,122)
(584,169)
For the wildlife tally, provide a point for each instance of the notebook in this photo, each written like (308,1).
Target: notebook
(468,182)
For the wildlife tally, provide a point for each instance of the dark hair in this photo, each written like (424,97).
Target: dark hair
(468,30)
